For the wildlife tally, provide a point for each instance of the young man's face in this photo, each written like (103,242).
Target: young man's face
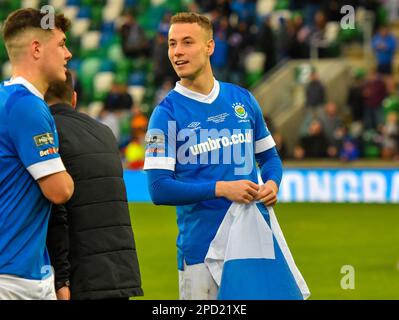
(189,50)
(55,56)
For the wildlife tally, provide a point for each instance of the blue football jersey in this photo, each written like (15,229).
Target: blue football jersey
(205,138)
(28,152)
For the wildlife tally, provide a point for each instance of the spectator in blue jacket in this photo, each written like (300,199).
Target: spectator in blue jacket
(384,45)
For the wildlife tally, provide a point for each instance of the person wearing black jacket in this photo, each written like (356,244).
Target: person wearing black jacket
(90,238)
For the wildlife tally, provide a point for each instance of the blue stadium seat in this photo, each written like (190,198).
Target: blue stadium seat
(107,66)
(74,64)
(108,27)
(130,3)
(137,78)
(106,38)
(73,3)
(84,12)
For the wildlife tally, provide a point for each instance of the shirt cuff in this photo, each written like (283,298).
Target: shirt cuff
(264,144)
(167,163)
(45,168)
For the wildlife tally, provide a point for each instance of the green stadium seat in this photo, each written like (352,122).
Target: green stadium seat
(114,52)
(390,104)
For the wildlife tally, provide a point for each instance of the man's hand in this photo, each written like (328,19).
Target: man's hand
(241,191)
(268,193)
(64,293)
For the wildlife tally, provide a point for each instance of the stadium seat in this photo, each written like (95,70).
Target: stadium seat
(107,66)
(265,7)
(115,52)
(103,81)
(108,27)
(276,15)
(71,12)
(332,31)
(6,70)
(112,11)
(137,93)
(96,17)
(80,27)
(254,61)
(84,12)
(58,4)
(72,2)
(282,5)
(89,67)
(131,3)
(74,64)
(390,104)
(30,3)
(91,40)
(137,78)
(94,108)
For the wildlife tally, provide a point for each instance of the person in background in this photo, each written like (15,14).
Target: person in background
(90,238)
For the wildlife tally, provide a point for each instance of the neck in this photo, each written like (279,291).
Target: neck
(203,83)
(33,77)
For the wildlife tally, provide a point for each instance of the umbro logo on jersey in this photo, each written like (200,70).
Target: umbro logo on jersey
(194,125)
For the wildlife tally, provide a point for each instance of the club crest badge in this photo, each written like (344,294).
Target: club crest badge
(239,110)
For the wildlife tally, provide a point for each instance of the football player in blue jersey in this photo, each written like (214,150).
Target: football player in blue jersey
(32,175)
(204,141)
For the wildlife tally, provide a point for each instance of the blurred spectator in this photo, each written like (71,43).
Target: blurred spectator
(350,150)
(280,145)
(162,67)
(390,135)
(266,44)
(333,128)
(315,92)
(118,98)
(392,7)
(355,99)
(314,144)
(384,45)
(310,10)
(333,10)
(298,47)
(283,38)
(162,91)
(269,123)
(244,9)
(239,40)
(374,92)
(134,41)
(135,149)
(77,86)
(163,27)
(318,37)
(219,59)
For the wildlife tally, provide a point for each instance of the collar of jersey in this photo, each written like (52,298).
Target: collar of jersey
(26,84)
(199,96)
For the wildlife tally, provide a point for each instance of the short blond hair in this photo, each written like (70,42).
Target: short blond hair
(192,17)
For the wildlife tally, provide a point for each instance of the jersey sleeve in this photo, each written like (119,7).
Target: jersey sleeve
(33,133)
(263,139)
(160,141)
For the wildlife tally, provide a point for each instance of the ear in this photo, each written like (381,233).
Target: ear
(211,46)
(74,101)
(36,49)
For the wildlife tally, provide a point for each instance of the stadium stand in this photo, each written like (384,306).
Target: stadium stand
(270,47)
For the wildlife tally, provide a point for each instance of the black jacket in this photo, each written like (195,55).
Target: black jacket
(90,238)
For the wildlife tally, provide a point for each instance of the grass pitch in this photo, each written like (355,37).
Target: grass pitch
(323,238)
